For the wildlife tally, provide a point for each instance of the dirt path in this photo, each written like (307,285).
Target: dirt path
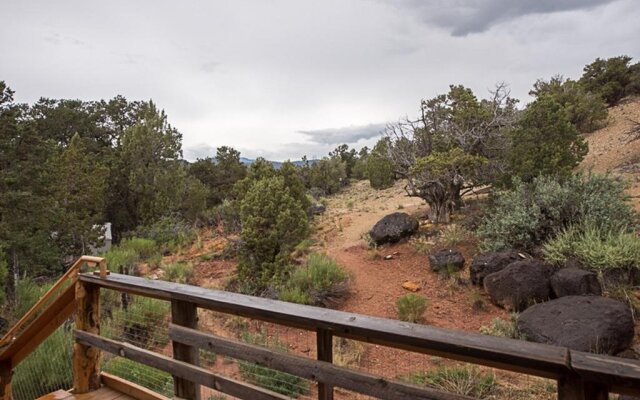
(377,283)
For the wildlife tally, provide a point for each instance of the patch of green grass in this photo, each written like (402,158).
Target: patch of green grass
(153,379)
(277,381)
(321,282)
(411,307)
(467,381)
(502,328)
(179,272)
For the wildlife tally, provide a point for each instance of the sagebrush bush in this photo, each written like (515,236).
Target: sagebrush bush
(277,381)
(595,248)
(121,259)
(154,379)
(531,213)
(467,381)
(503,328)
(411,307)
(453,235)
(321,282)
(144,248)
(179,272)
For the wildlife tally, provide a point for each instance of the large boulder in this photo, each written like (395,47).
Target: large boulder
(584,323)
(393,227)
(446,260)
(520,284)
(489,263)
(575,282)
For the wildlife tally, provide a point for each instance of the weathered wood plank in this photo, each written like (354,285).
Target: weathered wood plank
(182,369)
(86,359)
(307,368)
(129,388)
(5,379)
(324,345)
(513,355)
(573,387)
(620,374)
(41,327)
(185,314)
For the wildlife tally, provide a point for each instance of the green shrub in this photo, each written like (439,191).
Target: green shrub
(179,272)
(502,328)
(411,307)
(121,259)
(273,223)
(468,381)
(280,382)
(379,168)
(595,248)
(453,235)
(153,379)
(144,248)
(169,233)
(45,370)
(529,214)
(28,293)
(143,323)
(321,282)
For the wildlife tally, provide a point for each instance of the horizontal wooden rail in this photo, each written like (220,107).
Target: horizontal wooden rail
(308,368)
(177,368)
(513,355)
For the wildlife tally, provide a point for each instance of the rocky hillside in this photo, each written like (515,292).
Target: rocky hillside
(612,149)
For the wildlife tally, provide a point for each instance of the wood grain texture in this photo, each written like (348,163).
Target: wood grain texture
(86,359)
(185,314)
(324,348)
(181,369)
(129,388)
(307,368)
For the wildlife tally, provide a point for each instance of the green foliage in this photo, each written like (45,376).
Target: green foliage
(169,233)
(585,110)
(595,247)
(453,235)
(321,282)
(440,177)
(153,379)
(280,382)
(612,78)
(348,156)
(502,328)
(379,168)
(411,307)
(219,174)
(122,259)
(179,272)
(3,276)
(328,175)
(273,222)
(45,370)
(545,141)
(531,213)
(293,181)
(28,293)
(143,322)
(143,248)
(468,381)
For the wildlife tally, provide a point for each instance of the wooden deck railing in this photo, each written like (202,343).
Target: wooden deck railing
(580,375)
(41,320)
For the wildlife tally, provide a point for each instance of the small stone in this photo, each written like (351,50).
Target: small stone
(411,286)
(388,257)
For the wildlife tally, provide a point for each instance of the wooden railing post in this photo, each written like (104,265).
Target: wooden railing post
(86,359)
(572,387)
(324,342)
(5,380)
(185,314)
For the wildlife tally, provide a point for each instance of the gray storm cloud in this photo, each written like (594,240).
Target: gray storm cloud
(464,17)
(349,134)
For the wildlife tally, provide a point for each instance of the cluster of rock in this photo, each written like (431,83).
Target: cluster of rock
(562,307)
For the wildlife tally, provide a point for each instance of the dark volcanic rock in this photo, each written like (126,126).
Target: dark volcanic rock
(520,284)
(583,323)
(447,260)
(575,282)
(489,263)
(393,227)
(317,208)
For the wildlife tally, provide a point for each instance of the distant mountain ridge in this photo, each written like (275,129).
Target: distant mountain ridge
(276,164)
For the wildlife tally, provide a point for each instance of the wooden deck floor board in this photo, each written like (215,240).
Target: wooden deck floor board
(100,394)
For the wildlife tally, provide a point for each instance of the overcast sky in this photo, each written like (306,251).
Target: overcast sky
(281,79)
